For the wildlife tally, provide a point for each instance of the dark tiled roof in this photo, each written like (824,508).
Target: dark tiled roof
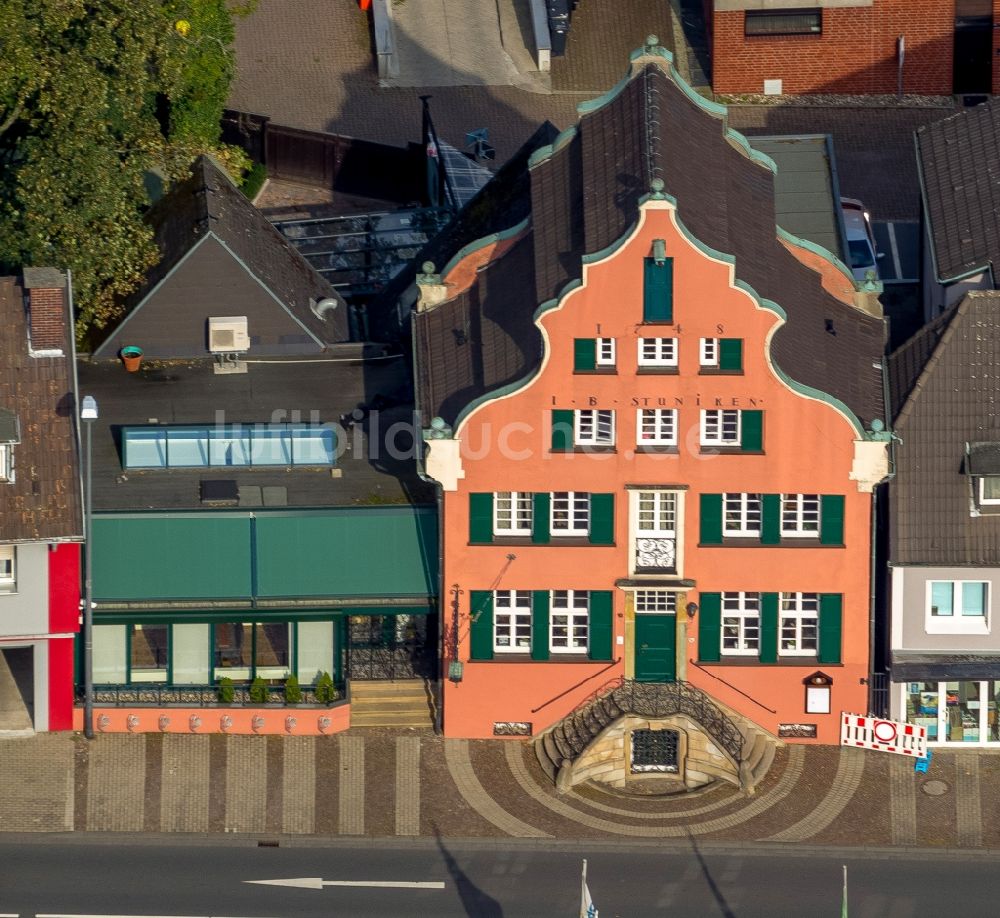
(960,177)
(951,403)
(475,342)
(908,361)
(585,195)
(43,502)
(313,391)
(208,202)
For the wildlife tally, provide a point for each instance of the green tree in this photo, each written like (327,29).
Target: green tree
(94,94)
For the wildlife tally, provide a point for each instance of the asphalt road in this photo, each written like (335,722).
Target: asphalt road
(92,876)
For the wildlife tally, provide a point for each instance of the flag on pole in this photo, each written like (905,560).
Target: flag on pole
(843,908)
(587,907)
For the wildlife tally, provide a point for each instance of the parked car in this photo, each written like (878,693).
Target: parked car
(862,253)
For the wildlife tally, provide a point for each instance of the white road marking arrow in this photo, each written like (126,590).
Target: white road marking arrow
(318,883)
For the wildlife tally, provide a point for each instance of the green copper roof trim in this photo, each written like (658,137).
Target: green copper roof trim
(819,250)
(543,153)
(751,152)
(484,241)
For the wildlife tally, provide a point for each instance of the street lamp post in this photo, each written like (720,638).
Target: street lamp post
(88,414)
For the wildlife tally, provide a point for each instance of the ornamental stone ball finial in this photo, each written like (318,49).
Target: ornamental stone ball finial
(656,186)
(428,267)
(652,42)
(428,274)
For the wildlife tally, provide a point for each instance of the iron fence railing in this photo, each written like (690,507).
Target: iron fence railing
(652,700)
(150,695)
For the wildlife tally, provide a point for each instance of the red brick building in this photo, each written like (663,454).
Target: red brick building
(929,47)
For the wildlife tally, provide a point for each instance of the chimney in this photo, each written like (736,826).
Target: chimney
(47,302)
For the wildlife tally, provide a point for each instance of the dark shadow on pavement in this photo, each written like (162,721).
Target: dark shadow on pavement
(717,894)
(476,903)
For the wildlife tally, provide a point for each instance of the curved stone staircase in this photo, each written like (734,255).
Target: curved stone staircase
(750,748)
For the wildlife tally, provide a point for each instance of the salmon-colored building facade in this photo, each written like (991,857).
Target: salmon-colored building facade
(657,501)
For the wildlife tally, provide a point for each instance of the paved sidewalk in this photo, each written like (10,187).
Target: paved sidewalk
(382,783)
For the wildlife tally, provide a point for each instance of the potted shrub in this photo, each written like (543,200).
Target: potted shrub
(293,691)
(258,691)
(226,691)
(324,690)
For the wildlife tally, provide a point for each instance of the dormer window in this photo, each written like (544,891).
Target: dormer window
(982,465)
(10,436)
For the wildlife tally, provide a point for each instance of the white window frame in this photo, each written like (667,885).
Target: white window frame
(663,510)
(588,424)
(655,602)
(713,424)
(745,506)
(515,607)
(8,568)
(957,622)
(6,461)
(569,611)
(659,423)
(663,505)
(796,514)
(574,508)
(658,352)
(742,611)
(708,352)
(516,518)
(986,501)
(605,355)
(796,612)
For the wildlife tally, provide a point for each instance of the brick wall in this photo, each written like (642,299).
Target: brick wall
(855,54)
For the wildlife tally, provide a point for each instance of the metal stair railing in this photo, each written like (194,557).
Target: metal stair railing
(576,732)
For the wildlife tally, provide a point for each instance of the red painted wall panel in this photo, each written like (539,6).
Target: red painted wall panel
(61,684)
(64,588)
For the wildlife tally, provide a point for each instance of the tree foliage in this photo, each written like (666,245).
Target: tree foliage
(94,94)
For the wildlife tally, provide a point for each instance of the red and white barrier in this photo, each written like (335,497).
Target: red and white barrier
(883,735)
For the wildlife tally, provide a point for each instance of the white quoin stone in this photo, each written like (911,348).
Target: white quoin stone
(443,462)
(871,464)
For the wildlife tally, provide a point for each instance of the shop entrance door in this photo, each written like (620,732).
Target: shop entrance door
(655,648)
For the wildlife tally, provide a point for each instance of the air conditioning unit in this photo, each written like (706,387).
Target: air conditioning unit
(228,335)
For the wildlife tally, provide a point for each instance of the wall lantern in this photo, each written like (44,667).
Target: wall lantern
(818,693)
(692,609)
(455,670)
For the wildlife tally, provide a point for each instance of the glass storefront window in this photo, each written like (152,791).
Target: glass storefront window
(922,706)
(961,712)
(243,650)
(148,653)
(954,712)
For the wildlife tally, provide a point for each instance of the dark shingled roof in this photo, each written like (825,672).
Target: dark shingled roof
(43,502)
(208,202)
(952,402)
(585,196)
(959,161)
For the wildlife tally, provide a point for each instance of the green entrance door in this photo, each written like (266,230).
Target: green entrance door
(655,648)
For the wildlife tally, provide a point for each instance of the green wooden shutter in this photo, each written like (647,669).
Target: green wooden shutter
(831,519)
(710,627)
(540,503)
(831,614)
(540,625)
(481,518)
(770,519)
(600,644)
(752,437)
(711,519)
(658,291)
(562,430)
(731,354)
(481,627)
(602,519)
(768,628)
(584,353)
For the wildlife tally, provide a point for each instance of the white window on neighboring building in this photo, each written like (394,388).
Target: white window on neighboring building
(663,602)
(800,516)
(799,625)
(958,607)
(656,427)
(570,513)
(512,621)
(657,352)
(605,352)
(708,352)
(8,569)
(741,515)
(594,427)
(569,621)
(6,462)
(512,511)
(741,623)
(720,427)
(989,490)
